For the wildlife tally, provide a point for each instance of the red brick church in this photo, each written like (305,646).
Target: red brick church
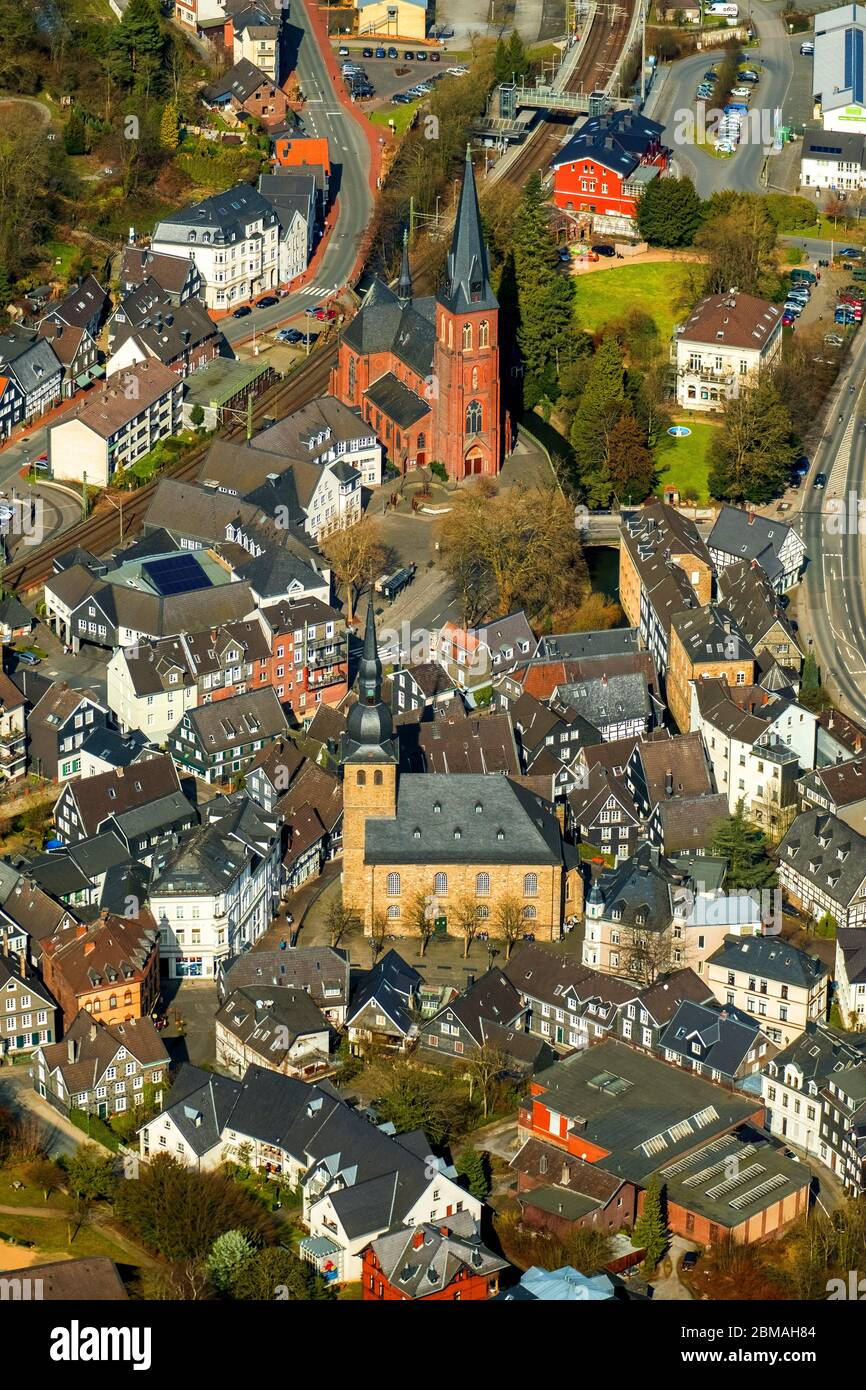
(425,371)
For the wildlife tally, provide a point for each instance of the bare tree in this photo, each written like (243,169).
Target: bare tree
(354,553)
(509,920)
(378,935)
(338,921)
(421,917)
(464,915)
(648,954)
(484,1067)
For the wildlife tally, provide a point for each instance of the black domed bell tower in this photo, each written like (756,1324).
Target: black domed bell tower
(370,756)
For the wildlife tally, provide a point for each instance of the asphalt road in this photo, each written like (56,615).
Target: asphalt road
(324,116)
(775,59)
(832,603)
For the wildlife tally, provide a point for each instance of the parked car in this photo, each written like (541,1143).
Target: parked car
(29,658)
(435,57)
(401,99)
(343,51)
(268,301)
(421,56)
(564,255)
(325,314)
(366,52)
(833,340)
(820,480)
(242,312)
(744,92)
(788,320)
(380,52)
(290,335)
(689,1260)
(41,462)
(601,250)
(807,49)
(851,252)
(459,71)
(409,55)
(392,53)
(711,75)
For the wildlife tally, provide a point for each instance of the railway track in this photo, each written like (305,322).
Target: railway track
(593,72)
(99,533)
(602,49)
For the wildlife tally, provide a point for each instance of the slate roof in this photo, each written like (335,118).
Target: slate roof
(498,822)
(608,700)
(30,360)
(466,287)
(320,970)
(240,719)
(614,641)
(240,82)
(751,600)
(618,140)
(397,401)
(491,999)
(93,1279)
(26,905)
(121,750)
(837,866)
(226,215)
(821,1050)
(426,1259)
(851,942)
(771,958)
(95,1045)
(723,1042)
(709,635)
(217,853)
(383,324)
(677,763)
(271,1021)
(749,536)
(81,303)
(663,998)
(391,985)
(641,890)
(122,789)
(844,784)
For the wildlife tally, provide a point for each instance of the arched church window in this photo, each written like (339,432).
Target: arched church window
(484,333)
(467,336)
(473,417)
(361,778)
(352,377)
(377,778)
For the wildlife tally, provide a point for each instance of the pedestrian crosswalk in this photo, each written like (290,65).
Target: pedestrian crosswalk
(316,290)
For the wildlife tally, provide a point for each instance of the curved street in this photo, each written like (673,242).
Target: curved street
(776,54)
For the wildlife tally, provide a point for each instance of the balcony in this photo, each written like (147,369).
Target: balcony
(330,678)
(325,656)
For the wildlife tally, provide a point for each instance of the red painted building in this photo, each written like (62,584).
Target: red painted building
(425,371)
(435,1262)
(604,169)
(308,663)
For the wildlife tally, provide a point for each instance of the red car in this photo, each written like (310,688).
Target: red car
(328,314)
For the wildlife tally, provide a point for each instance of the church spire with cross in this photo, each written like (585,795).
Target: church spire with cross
(467,285)
(369,735)
(404,284)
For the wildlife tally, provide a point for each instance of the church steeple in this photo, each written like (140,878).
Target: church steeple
(404,284)
(369,735)
(467,277)
(370,667)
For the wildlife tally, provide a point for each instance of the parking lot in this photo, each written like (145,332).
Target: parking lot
(388,76)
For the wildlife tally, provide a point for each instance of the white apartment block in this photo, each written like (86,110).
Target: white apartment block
(234,240)
(116,424)
(729,339)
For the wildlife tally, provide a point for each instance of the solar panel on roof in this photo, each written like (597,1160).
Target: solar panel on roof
(176,574)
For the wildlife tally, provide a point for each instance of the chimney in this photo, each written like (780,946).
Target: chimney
(417,1240)
(22,964)
(604,680)
(89,946)
(80,931)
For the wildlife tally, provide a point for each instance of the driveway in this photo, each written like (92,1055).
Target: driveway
(670,1287)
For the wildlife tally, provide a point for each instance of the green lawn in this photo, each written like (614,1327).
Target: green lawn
(657,288)
(683,462)
(402,116)
(823,230)
(61,254)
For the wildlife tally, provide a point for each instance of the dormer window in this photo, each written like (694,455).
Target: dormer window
(437,808)
(457,832)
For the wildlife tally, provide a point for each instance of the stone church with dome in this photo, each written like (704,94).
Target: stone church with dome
(424,370)
(449,836)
